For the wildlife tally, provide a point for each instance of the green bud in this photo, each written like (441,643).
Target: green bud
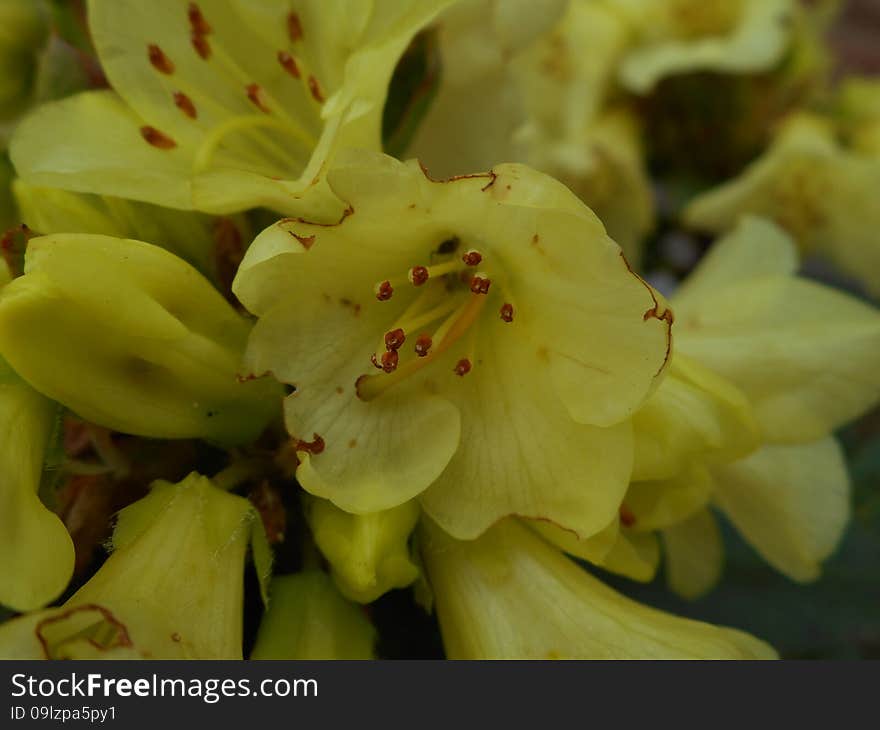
(130,337)
(172,588)
(369,553)
(37,553)
(309,619)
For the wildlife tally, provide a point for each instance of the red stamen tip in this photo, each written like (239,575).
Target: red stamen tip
(507,312)
(472,257)
(462,367)
(394,339)
(384,291)
(423,345)
(390,360)
(480,285)
(418,275)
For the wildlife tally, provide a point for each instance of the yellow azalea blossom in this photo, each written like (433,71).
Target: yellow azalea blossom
(171,589)
(766,366)
(820,190)
(308,619)
(681,36)
(206,242)
(369,553)
(37,553)
(222,105)
(510,595)
(543,102)
(479,342)
(132,338)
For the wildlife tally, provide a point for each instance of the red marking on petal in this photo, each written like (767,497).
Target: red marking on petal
(185,104)
(156,138)
(294,27)
(289,64)
(197,22)
(201,46)
(159,60)
(315,88)
(255,94)
(627,518)
(507,312)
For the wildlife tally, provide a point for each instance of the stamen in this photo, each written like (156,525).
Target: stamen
(462,367)
(159,60)
(185,104)
(472,257)
(394,339)
(384,291)
(480,284)
(289,64)
(156,138)
(507,312)
(423,345)
(369,387)
(294,27)
(418,275)
(390,360)
(255,94)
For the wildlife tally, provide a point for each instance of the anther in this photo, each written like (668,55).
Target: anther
(390,360)
(462,367)
(394,339)
(384,291)
(197,21)
(472,257)
(289,64)
(507,312)
(156,138)
(418,275)
(480,285)
(185,104)
(315,88)
(315,446)
(294,27)
(255,94)
(159,60)
(423,345)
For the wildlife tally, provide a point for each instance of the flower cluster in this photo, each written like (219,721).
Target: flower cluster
(369,296)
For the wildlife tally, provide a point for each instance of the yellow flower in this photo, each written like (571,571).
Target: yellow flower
(172,589)
(479,342)
(822,192)
(130,337)
(766,366)
(369,553)
(308,619)
(510,595)
(222,105)
(681,36)
(37,551)
(538,99)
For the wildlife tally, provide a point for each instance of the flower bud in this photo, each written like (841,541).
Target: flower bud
(172,589)
(308,619)
(368,554)
(37,551)
(510,595)
(132,338)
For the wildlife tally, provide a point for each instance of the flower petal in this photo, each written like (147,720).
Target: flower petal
(510,595)
(694,555)
(790,502)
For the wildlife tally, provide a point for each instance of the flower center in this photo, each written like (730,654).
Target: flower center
(453,294)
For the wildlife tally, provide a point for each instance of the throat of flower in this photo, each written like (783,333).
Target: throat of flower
(448,334)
